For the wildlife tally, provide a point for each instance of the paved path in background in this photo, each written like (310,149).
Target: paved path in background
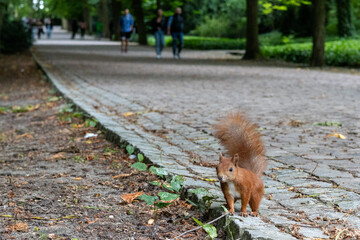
(312,183)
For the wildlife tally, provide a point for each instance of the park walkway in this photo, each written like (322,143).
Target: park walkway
(166,108)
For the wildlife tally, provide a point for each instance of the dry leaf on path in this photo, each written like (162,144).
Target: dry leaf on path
(78,178)
(128,114)
(129,198)
(25,135)
(58,156)
(338,135)
(19,227)
(122,175)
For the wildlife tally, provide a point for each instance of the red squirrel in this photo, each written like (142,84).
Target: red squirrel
(240,174)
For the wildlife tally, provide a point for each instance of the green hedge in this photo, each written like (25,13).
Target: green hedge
(337,53)
(205,43)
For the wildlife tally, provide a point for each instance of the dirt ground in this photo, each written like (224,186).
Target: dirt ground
(55,184)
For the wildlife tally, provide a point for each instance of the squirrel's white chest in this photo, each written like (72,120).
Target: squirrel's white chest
(232,191)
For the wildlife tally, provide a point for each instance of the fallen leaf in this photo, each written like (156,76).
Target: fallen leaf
(122,175)
(338,135)
(151,221)
(209,179)
(78,178)
(25,135)
(58,156)
(128,114)
(131,196)
(88,142)
(78,125)
(19,227)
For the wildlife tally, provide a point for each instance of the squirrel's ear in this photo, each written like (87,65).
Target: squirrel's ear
(235,158)
(221,157)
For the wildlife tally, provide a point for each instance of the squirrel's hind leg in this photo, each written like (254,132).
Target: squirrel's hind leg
(255,203)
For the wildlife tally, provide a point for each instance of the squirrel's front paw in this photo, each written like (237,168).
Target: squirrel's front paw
(243,214)
(254,214)
(231,211)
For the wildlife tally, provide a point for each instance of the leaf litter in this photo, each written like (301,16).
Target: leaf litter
(66,187)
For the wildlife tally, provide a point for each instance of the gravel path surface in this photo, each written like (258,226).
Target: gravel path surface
(166,108)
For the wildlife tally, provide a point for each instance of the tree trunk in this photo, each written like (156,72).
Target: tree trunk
(345,27)
(158,4)
(141,28)
(104,18)
(116,8)
(252,38)
(318,51)
(87,18)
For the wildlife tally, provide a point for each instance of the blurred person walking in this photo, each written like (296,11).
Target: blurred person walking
(159,29)
(82,26)
(40,29)
(175,27)
(74,28)
(49,27)
(126,24)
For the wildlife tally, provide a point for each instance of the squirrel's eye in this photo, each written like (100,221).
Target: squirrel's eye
(230,169)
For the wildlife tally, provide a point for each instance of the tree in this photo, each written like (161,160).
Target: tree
(104,17)
(345,26)
(139,18)
(318,51)
(252,38)
(116,8)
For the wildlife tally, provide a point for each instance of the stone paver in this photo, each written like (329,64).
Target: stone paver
(312,182)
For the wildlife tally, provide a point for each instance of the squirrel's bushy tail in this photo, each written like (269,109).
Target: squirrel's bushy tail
(238,135)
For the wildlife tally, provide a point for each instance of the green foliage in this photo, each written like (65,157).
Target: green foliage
(14,38)
(140,157)
(91,122)
(326,123)
(213,27)
(166,196)
(150,200)
(177,182)
(337,53)
(139,166)
(158,171)
(280,5)
(155,183)
(130,149)
(208,228)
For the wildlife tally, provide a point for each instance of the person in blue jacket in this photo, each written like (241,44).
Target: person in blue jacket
(175,28)
(126,24)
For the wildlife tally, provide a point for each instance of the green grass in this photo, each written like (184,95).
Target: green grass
(344,52)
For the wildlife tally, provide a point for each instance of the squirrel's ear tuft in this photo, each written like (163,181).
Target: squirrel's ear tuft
(235,159)
(221,157)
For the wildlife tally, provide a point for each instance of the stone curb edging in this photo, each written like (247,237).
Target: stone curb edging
(241,228)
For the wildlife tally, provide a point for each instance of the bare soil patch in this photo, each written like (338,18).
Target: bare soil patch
(55,184)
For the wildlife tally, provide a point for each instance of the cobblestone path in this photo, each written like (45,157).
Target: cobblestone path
(313,181)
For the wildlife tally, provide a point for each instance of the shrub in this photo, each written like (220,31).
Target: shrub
(14,38)
(213,27)
(205,43)
(344,52)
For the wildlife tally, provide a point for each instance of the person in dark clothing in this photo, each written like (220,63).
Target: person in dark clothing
(82,26)
(74,28)
(159,29)
(175,28)
(39,26)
